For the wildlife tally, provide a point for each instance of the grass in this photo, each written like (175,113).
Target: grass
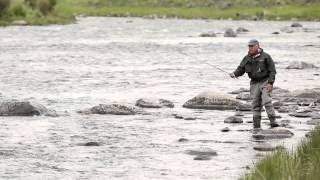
(66,10)
(303,164)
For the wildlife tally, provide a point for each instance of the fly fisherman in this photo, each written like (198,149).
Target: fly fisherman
(261,70)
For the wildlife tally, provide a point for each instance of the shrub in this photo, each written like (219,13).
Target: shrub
(18,10)
(4,4)
(44,6)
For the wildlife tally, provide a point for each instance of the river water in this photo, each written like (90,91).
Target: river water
(119,60)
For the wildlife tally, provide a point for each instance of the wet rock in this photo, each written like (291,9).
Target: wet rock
(238,113)
(89,144)
(208,34)
(202,152)
(279,92)
(230,33)
(202,158)
(177,116)
(189,118)
(295,24)
(308,93)
(212,100)
(244,107)
(233,119)
(300,65)
(284,123)
(274,133)
(276,32)
(243,96)
(226,129)
(287,30)
(183,140)
(277,104)
(24,108)
(238,91)
(264,147)
(242,30)
(115,109)
(150,103)
(19,23)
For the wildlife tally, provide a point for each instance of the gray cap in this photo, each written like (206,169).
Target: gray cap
(253,42)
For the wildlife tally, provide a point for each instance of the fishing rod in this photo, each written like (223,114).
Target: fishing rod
(206,63)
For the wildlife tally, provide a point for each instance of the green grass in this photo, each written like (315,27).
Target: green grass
(66,10)
(303,164)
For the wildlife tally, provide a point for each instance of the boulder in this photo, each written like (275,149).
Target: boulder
(233,119)
(230,33)
(295,24)
(115,109)
(300,65)
(212,100)
(274,133)
(242,30)
(24,108)
(244,96)
(208,34)
(150,103)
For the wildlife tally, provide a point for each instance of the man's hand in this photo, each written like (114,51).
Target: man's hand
(232,75)
(269,87)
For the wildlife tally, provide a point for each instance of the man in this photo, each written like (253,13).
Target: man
(261,70)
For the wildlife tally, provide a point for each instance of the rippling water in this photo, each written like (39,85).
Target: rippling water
(106,60)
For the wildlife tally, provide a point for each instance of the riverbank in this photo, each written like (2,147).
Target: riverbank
(304,163)
(66,11)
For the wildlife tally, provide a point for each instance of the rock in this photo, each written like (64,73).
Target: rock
(276,32)
(208,34)
(279,92)
(183,140)
(277,104)
(287,30)
(274,133)
(284,123)
(149,103)
(177,116)
(19,23)
(238,113)
(23,108)
(295,24)
(189,118)
(244,107)
(233,119)
(89,144)
(202,152)
(307,93)
(242,30)
(115,109)
(212,100)
(264,147)
(300,65)
(300,114)
(244,96)
(286,109)
(202,158)
(230,33)
(226,129)
(238,91)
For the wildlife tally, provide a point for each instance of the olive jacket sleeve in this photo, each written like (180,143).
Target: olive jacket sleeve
(271,70)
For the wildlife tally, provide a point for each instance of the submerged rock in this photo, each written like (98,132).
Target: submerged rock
(89,144)
(202,158)
(150,103)
(24,108)
(202,152)
(265,147)
(242,30)
(115,109)
(226,129)
(212,100)
(243,96)
(238,91)
(233,119)
(274,133)
(244,107)
(230,33)
(308,93)
(295,24)
(208,34)
(300,65)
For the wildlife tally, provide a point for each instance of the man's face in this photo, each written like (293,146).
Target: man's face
(253,49)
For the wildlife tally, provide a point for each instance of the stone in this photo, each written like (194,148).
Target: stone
(238,91)
(150,103)
(183,140)
(300,65)
(226,129)
(295,24)
(264,147)
(244,96)
(238,113)
(244,107)
(307,93)
(212,100)
(274,133)
(115,109)
(233,119)
(276,32)
(242,30)
(202,158)
(230,33)
(202,152)
(277,104)
(24,108)
(208,34)
(189,118)
(89,144)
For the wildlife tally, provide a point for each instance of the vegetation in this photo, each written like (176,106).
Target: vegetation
(302,164)
(64,11)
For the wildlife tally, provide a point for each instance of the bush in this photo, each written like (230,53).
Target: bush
(4,4)
(18,10)
(44,6)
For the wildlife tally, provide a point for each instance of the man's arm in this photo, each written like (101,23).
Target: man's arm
(272,71)
(240,69)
